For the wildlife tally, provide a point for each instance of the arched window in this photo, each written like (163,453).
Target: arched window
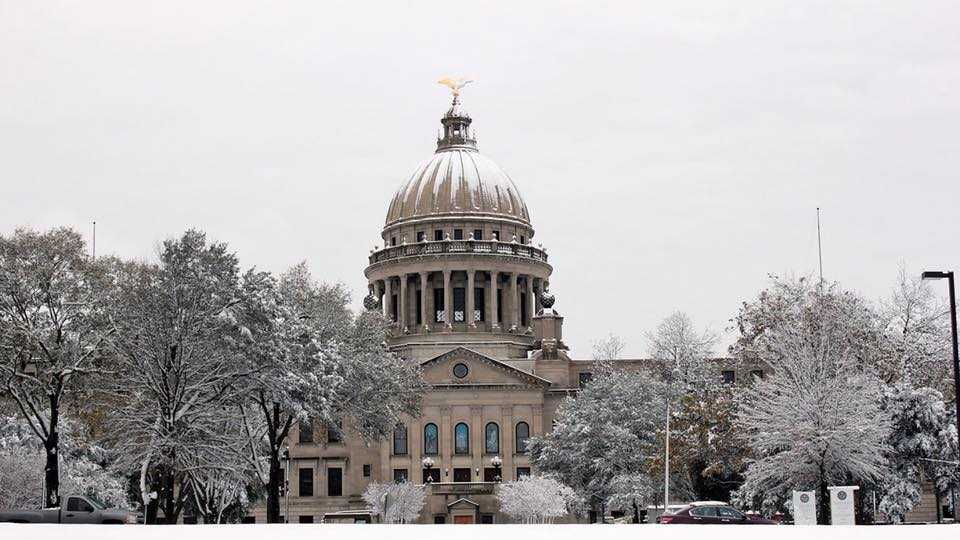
(431,440)
(400,440)
(523,433)
(491,439)
(461,439)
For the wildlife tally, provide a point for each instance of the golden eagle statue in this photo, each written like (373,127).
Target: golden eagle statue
(455,84)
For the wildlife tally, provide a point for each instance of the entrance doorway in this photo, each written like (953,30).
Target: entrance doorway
(463,520)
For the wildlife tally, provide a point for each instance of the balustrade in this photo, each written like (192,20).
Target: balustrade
(458,247)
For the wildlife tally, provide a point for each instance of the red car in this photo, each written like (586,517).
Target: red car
(711,512)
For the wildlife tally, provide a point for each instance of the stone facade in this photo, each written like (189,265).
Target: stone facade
(469,296)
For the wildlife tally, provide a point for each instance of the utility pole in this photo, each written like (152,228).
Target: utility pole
(819,245)
(666,462)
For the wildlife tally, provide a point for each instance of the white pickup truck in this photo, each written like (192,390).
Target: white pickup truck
(78,509)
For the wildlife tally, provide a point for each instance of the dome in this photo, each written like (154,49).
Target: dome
(458,181)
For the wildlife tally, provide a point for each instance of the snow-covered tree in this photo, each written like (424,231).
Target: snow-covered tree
(806,305)
(703,446)
(51,330)
(916,324)
(816,421)
(173,326)
(608,429)
(536,499)
(84,469)
(218,495)
(683,350)
(920,423)
(317,363)
(395,503)
(631,492)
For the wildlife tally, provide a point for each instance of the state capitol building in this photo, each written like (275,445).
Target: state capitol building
(468,290)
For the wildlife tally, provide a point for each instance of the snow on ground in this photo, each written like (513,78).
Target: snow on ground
(471,532)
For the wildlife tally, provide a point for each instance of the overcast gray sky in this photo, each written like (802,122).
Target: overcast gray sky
(671,154)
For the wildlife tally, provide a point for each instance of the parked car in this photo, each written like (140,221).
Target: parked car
(711,512)
(78,509)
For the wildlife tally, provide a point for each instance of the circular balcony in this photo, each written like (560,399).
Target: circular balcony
(458,247)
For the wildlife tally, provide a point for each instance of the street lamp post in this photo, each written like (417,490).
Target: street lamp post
(953,329)
(286,485)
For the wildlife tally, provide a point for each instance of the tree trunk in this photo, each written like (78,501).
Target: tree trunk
(51,472)
(636,512)
(273,487)
(823,502)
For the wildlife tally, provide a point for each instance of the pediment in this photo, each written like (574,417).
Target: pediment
(463,503)
(481,370)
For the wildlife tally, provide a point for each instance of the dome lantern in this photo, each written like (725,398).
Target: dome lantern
(456,128)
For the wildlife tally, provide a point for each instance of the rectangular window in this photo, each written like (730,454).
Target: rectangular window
(462,475)
(395,307)
(486,519)
(305,429)
(522,471)
(458,234)
(431,475)
(479,306)
(334,482)
(478,234)
(438,304)
(439,519)
(729,376)
(523,310)
(491,474)
(366,470)
(459,304)
(585,378)
(400,475)
(335,433)
(305,477)
(522,239)
(393,240)
(421,236)
(419,308)
(305,519)
(437,236)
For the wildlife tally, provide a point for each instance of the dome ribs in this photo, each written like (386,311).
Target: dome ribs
(458,181)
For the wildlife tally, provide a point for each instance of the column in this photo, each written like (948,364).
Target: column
(514,318)
(402,312)
(531,305)
(447,300)
(476,442)
(471,323)
(446,445)
(388,297)
(538,291)
(537,427)
(492,304)
(386,475)
(424,277)
(507,448)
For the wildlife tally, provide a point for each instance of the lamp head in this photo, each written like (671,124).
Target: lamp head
(934,275)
